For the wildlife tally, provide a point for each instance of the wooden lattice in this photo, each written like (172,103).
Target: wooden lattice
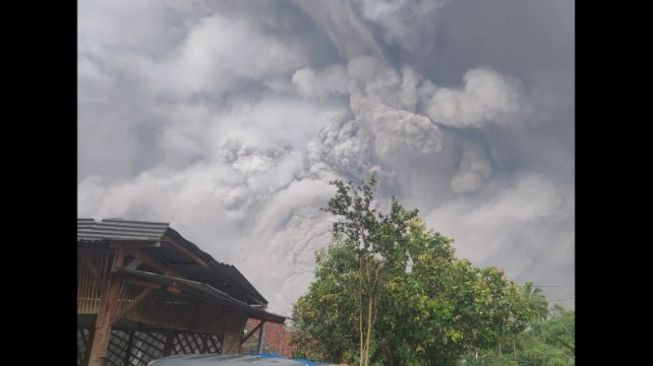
(187,343)
(83,345)
(167,323)
(214,343)
(146,347)
(89,289)
(137,348)
(118,348)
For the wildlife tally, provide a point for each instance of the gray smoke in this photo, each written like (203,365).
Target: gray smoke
(228,119)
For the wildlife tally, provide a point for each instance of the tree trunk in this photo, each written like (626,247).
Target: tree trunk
(360,313)
(370,303)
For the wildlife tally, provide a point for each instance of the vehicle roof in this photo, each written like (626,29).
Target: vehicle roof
(226,360)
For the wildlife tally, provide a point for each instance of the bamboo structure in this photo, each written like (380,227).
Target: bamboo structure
(144,292)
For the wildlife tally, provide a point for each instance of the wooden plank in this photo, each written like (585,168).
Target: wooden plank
(134,263)
(150,261)
(86,262)
(261,338)
(136,244)
(130,342)
(213,319)
(205,343)
(142,283)
(93,250)
(118,260)
(103,324)
(156,286)
(142,295)
(167,349)
(173,289)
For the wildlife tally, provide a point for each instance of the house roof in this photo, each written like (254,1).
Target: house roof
(118,229)
(168,247)
(203,291)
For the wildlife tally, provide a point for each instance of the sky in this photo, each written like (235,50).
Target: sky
(228,119)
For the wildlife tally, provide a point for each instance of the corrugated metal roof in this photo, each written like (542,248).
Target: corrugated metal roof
(204,290)
(89,230)
(118,229)
(227,270)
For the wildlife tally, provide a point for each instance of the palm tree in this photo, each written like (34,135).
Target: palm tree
(537,303)
(536,300)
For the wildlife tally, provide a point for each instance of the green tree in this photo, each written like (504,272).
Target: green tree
(536,301)
(549,342)
(390,291)
(560,329)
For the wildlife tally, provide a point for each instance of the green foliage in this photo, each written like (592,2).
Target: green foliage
(538,305)
(549,342)
(390,291)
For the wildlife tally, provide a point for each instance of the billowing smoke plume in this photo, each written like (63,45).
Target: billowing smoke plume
(228,119)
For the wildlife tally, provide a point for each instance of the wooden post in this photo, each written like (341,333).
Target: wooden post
(167,350)
(108,302)
(130,341)
(261,338)
(205,345)
(251,332)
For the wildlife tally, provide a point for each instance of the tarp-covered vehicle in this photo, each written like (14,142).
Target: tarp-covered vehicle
(231,360)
